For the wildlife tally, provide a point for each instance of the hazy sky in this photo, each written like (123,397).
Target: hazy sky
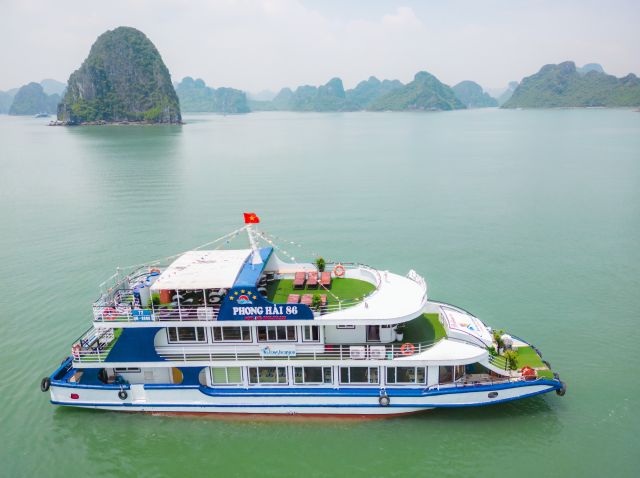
(268,44)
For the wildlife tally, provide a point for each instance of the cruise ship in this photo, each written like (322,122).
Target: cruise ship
(253,331)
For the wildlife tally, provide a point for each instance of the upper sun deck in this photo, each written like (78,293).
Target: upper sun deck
(230,285)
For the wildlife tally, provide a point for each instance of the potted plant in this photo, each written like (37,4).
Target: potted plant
(497,338)
(320,264)
(400,332)
(316,302)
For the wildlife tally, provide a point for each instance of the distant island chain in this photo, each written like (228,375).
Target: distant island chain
(124,80)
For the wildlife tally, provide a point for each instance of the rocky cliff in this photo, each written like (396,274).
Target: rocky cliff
(123,79)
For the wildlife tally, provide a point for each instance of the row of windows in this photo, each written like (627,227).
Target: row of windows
(319,375)
(277,333)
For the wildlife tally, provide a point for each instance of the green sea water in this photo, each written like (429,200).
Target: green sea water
(529,219)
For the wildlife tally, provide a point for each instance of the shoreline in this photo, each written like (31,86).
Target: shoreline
(113,123)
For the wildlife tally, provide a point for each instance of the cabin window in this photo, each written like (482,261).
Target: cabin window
(127,370)
(310,333)
(226,375)
(358,374)
(312,375)
(231,334)
(446,374)
(267,375)
(402,375)
(458,371)
(186,334)
(277,333)
(345,327)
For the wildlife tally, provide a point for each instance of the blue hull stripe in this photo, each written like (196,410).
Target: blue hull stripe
(303,405)
(313,392)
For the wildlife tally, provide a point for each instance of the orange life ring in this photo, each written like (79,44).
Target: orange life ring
(338,270)
(407,349)
(75,350)
(109,313)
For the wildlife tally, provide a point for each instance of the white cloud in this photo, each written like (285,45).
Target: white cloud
(273,43)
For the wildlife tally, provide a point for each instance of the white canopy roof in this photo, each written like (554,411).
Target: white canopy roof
(449,352)
(203,270)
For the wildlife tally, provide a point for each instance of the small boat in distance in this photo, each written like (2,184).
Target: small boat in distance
(42,115)
(254,331)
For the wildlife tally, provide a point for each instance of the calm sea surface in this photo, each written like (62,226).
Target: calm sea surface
(530,219)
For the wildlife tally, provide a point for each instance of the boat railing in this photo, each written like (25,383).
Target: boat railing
(94,345)
(498,361)
(290,352)
(124,312)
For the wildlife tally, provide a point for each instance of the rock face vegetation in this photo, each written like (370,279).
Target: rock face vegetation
(473,96)
(196,96)
(122,80)
(31,99)
(564,85)
(424,93)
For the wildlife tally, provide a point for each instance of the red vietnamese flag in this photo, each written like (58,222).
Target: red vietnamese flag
(251,218)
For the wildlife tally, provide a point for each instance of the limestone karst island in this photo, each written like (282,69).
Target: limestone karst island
(123,80)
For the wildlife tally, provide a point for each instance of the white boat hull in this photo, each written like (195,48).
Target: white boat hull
(360,402)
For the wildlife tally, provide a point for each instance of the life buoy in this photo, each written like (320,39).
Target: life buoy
(154,271)
(45,384)
(384,400)
(109,313)
(122,395)
(407,349)
(339,270)
(75,350)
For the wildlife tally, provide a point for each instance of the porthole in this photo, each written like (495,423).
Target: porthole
(493,394)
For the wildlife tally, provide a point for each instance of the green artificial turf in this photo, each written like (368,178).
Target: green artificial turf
(528,357)
(343,289)
(425,328)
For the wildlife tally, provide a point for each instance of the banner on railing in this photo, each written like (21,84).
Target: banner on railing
(248,304)
(142,315)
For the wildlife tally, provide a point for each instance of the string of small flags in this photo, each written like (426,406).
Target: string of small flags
(229,237)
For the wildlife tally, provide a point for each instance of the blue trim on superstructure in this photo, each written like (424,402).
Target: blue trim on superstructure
(135,345)
(250,273)
(106,386)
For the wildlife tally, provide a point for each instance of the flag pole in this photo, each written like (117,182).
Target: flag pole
(255,259)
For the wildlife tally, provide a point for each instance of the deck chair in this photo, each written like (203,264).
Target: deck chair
(298,280)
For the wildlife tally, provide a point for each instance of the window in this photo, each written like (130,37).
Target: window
(312,375)
(446,374)
(277,333)
(186,334)
(267,375)
(310,333)
(226,375)
(402,375)
(358,374)
(126,370)
(458,370)
(231,334)
(345,327)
